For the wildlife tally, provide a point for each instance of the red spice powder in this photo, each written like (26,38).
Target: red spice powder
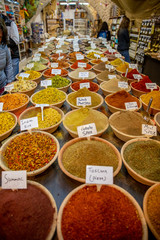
(141,85)
(49,74)
(107,214)
(130,73)
(93,87)
(75,65)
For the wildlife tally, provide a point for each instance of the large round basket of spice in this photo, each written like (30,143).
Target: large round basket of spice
(141,158)
(92,86)
(48,73)
(15,102)
(32,211)
(52,117)
(76,154)
(101,212)
(151,208)
(33,75)
(157,121)
(23,86)
(31,152)
(60,83)
(155,105)
(8,122)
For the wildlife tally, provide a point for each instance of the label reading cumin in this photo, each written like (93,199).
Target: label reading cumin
(99,175)
(14,179)
(87,130)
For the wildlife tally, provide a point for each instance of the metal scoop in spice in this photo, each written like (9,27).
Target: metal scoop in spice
(146,114)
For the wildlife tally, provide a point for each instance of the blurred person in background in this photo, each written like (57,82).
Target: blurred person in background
(123,38)
(6,70)
(104,32)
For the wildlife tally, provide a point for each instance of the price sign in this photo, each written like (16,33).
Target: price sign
(118,55)
(76,37)
(24,75)
(76,49)
(83,74)
(42,105)
(109,66)
(30,65)
(36,59)
(111,76)
(151,86)
(56,71)
(99,175)
(111,50)
(54,65)
(87,130)
(131,105)
(133,66)
(40,49)
(1,106)
(58,46)
(149,130)
(137,76)
(29,123)
(46,83)
(83,101)
(60,58)
(14,179)
(48,40)
(79,56)
(37,54)
(122,84)
(81,64)
(45,47)
(87,85)
(97,55)
(104,59)
(59,51)
(9,88)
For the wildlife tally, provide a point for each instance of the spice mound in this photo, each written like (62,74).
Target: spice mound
(131,73)
(143,158)
(84,92)
(88,152)
(99,215)
(48,72)
(25,214)
(32,75)
(23,85)
(123,67)
(141,85)
(153,208)
(59,82)
(84,116)
(75,73)
(155,95)
(128,122)
(37,67)
(93,86)
(119,99)
(7,121)
(49,96)
(100,67)
(12,101)
(19,155)
(75,66)
(112,85)
(103,76)
(92,56)
(117,62)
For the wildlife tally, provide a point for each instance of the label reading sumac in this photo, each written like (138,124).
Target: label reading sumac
(14,179)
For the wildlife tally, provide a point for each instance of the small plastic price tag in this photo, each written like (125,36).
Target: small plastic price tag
(87,130)
(87,85)
(37,55)
(56,71)
(81,64)
(28,123)
(131,65)
(83,74)
(83,101)
(131,105)
(41,49)
(109,66)
(54,65)
(99,175)
(137,76)
(118,55)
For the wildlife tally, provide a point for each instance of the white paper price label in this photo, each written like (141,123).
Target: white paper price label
(99,175)
(14,179)
(111,76)
(97,55)
(93,46)
(76,37)
(59,51)
(87,130)
(82,85)
(46,83)
(83,101)
(56,71)
(76,49)
(54,65)
(111,50)
(79,56)
(60,58)
(81,64)
(122,84)
(137,76)
(30,65)
(37,54)
(58,46)
(131,105)
(48,40)
(9,88)
(149,130)
(109,66)
(131,65)
(1,106)
(29,123)
(42,105)
(104,59)
(41,49)
(151,86)
(118,55)
(45,47)
(24,75)
(83,74)
(36,59)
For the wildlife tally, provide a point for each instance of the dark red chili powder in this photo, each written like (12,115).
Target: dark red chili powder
(93,87)
(130,74)
(25,214)
(141,85)
(107,214)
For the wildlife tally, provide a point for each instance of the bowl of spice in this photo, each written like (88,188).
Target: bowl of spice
(42,60)
(48,73)
(76,65)
(33,75)
(116,101)
(96,99)
(111,86)
(105,76)
(51,96)
(157,121)
(116,62)
(35,159)
(130,75)
(32,211)
(155,106)
(8,122)
(141,158)
(39,67)
(60,83)
(93,87)
(83,116)
(98,68)
(101,212)
(76,154)
(14,102)
(91,54)
(62,64)
(74,75)
(23,86)
(151,203)
(95,61)
(127,125)
(123,67)
(52,117)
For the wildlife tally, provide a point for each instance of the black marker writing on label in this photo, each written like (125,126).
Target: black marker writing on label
(12,179)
